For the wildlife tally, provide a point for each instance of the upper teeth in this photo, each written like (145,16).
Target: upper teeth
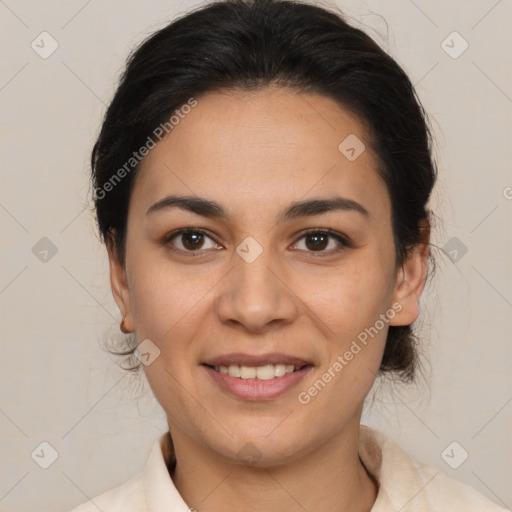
(266,372)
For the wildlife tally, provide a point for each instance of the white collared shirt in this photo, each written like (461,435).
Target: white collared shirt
(405,484)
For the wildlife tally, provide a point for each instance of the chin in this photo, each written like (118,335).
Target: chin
(254,448)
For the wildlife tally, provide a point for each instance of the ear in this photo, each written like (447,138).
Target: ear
(118,283)
(411,280)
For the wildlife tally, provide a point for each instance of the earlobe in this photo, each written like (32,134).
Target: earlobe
(410,284)
(119,286)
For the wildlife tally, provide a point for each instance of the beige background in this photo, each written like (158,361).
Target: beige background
(59,386)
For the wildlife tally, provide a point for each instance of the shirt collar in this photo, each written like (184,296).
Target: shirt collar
(161,493)
(159,490)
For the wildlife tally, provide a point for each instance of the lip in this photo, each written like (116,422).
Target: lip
(256,360)
(255,389)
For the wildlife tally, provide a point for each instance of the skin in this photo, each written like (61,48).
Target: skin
(255,153)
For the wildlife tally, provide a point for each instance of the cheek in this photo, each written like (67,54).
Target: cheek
(350,297)
(166,297)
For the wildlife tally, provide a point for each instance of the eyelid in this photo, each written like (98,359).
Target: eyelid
(167,240)
(343,240)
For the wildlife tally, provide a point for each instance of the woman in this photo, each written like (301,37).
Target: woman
(261,182)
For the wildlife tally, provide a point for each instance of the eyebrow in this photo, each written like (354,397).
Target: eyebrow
(298,209)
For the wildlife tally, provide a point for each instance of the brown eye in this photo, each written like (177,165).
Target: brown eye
(320,240)
(317,241)
(190,240)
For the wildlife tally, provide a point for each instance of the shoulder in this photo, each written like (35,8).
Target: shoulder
(128,497)
(410,486)
(446,493)
(147,490)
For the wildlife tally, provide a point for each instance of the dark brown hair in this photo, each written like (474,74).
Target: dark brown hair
(248,45)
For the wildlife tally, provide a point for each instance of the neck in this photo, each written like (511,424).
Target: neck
(329,478)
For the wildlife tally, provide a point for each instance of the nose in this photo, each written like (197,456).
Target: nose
(256,295)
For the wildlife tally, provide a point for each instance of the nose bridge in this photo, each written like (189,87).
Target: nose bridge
(254,283)
(255,294)
(254,275)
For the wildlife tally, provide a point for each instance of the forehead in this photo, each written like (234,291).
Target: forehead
(262,146)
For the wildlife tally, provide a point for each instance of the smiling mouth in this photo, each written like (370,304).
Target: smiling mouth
(265,372)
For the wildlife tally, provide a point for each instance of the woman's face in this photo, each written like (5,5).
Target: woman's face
(248,287)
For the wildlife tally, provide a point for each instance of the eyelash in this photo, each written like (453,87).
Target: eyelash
(344,241)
